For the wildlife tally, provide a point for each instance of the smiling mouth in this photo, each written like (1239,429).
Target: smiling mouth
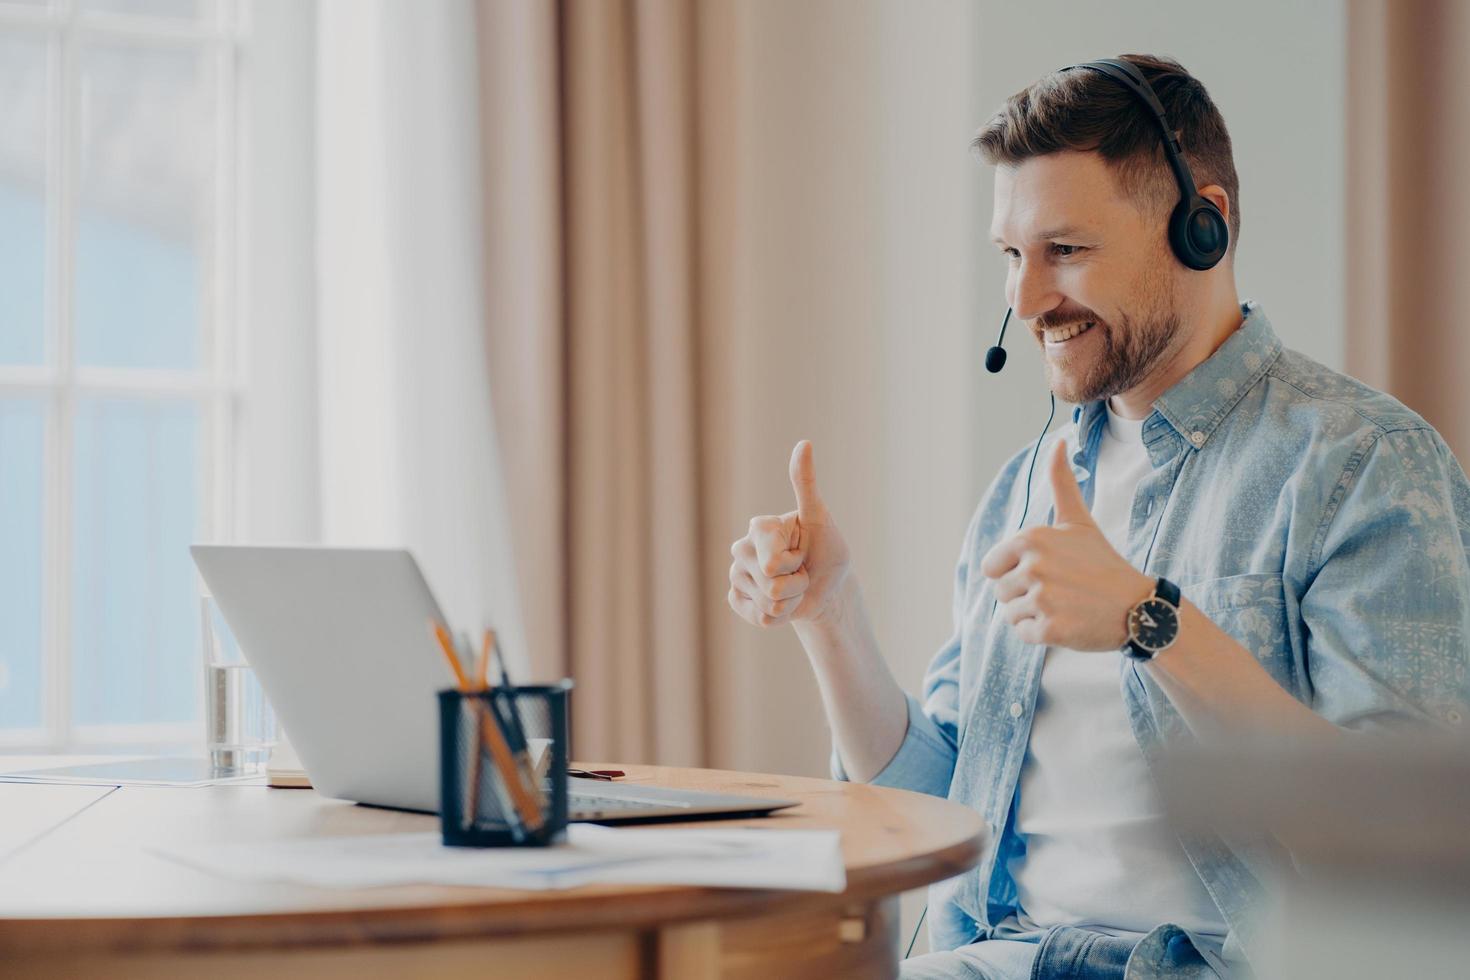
(1060,335)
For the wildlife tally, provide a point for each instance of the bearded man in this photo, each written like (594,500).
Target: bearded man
(1227,539)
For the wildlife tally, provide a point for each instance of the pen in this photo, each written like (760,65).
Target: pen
(505,683)
(523,746)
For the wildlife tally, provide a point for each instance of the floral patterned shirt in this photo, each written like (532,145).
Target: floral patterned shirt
(1319,522)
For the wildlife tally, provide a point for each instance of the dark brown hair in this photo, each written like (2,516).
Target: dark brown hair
(1084,110)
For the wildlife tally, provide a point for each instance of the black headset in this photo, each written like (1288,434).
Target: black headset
(1198,232)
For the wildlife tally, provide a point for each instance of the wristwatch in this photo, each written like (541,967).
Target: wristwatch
(1153,624)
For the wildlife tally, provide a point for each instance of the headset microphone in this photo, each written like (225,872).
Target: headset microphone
(995,358)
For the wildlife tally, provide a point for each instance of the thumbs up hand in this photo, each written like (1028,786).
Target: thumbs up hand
(790,568)
(1065,585)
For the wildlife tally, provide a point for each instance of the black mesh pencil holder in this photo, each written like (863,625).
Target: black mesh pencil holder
(491,792)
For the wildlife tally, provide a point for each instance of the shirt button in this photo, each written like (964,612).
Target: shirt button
(1453,717)
(1198,438)
(1015,709)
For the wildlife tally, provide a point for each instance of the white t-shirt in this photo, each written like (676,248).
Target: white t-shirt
(1098,852)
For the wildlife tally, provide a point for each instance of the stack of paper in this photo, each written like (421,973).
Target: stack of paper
(809,860)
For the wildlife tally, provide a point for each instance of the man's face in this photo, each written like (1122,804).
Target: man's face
(1089,271)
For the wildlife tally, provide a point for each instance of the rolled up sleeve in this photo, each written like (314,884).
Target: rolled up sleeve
(925,760)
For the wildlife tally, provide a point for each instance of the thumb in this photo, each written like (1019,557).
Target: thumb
(1071,508)
(809,507)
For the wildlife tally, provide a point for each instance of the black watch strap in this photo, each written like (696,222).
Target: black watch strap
(1167,591)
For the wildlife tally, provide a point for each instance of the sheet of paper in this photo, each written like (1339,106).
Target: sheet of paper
(809,860)
(187,772)
(27,812)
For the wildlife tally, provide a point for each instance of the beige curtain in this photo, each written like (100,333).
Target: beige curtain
(714,228)
(593,281)
(1409,206)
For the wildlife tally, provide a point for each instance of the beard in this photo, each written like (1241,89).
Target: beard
(1131,350)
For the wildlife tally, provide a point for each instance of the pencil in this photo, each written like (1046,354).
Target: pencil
(524,813)
(472,803)
(473,806)
(446,645)
(482,665)
(525,801)
(472,780)
(472,792)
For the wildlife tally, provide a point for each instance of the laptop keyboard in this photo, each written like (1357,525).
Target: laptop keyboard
(584,805)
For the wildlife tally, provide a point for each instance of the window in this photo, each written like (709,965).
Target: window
(124,303)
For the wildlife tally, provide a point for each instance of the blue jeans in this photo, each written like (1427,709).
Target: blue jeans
(1058,953)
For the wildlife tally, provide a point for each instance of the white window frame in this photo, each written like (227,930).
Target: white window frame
(257,274)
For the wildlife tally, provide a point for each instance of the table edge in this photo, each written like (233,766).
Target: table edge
(589,907)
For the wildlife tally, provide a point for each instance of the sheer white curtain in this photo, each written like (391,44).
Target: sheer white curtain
(408,449)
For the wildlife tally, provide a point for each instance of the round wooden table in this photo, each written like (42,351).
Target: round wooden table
(81,896)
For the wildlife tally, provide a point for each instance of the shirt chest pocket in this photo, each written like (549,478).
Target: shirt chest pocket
(1251,608)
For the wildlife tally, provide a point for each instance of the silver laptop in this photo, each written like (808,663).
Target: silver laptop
(339,638)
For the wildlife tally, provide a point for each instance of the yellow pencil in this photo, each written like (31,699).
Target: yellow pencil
(472,801)
(446,645)
(524,802)
(482,665)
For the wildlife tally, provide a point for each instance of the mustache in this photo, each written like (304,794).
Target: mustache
(1051,321)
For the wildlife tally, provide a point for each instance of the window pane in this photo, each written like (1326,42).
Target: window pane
(146,165)
(22,200)
(135,609)
(167,9)
(22,423)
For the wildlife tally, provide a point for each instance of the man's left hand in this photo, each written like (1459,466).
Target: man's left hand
(1065,585)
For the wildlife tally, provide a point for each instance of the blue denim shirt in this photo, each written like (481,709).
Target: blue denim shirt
(1319,522)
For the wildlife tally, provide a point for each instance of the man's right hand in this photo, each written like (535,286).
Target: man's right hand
(796,569)
(790,568)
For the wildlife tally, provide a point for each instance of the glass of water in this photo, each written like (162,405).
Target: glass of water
(239,725)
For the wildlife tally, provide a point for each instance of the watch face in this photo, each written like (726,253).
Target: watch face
(1153,624)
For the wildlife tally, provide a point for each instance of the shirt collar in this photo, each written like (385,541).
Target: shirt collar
(1199,402)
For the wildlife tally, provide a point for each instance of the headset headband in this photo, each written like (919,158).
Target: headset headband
(1127,74)
(1198,232)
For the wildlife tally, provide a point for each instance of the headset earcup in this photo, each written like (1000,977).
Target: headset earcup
(1198,234)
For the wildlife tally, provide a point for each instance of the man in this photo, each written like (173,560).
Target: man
(1316,530)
